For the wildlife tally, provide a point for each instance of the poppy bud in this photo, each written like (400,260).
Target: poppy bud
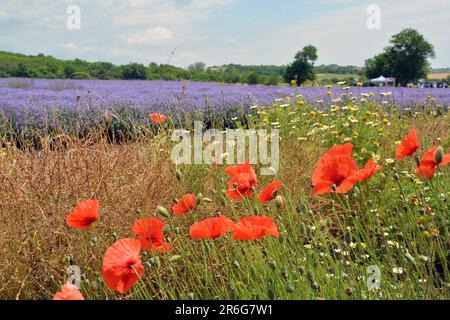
(138,212)
(162,211)
(178,174)
(274,193)
(157,262)
(301,270)
(417,160)
(93,241)
(198,199)
(176,230)
(279,202)
(290,288)
(236,264)
(166,230)
(190,296)
(174,258)
(273,265)
(349,291)
(114,236)
(302,229)
(310,276)
(396,177)
(285,274)
(170,270)
(235,185)
(207,200)
(253,188)
(334,187)
(315,286)
(438,157)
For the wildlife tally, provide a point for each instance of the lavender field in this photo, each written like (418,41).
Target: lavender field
(42,104)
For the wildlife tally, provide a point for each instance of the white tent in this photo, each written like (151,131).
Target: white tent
(381,80)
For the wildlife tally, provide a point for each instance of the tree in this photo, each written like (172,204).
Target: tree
(134,71)
(197,67)
(302,69)
(252,78)
(406,58)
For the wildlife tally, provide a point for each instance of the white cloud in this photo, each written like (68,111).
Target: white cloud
(70,45)
(152,36)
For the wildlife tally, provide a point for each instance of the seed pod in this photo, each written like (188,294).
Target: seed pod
(439,156)
(179,175)
(162,211)
(279,202)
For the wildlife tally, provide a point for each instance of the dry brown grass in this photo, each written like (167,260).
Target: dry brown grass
(38,189)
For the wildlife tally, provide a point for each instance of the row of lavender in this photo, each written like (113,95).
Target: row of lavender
(66,103)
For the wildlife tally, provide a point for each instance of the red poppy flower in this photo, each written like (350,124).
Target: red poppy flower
(157,118)
(335,170)
(367,172)
(69,292)
(122,265)
(83,215)
(267,193)
(243,168)
(240,186)
(427,166)
(408,146)
(253,228)
(184,205)
(151,233)
(211,228)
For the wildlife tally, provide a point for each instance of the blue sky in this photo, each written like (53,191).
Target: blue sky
(218,31)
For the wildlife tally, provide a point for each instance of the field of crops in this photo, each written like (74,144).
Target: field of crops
(359,208)
(49,106)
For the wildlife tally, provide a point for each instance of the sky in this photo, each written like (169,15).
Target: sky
(216,32)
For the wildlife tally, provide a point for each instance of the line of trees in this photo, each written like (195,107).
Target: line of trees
(406,58)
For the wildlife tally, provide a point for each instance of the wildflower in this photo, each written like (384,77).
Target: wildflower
(243,181)
(367,172)
(211,228)
(429,163)
(240,187)
(157,118)
(151,234)
(184,205)
(408,146)
(83,215)
(253,228)
(122,265)
(69,292)
(269,192)
(335,170)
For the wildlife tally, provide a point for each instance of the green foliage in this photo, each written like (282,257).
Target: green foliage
(406,58)
(302,69)
(134,71)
